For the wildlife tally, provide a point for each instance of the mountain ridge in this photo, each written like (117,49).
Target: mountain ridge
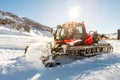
(21,22)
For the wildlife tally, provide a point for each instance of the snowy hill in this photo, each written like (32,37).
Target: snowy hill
(7,18)
(11,24)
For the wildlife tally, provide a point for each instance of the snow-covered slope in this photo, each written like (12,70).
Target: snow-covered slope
(15,66)
(18,23)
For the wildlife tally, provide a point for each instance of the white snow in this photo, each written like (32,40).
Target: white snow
(108,73)
(14,65)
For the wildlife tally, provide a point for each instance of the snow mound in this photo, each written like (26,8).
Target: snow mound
(36,51)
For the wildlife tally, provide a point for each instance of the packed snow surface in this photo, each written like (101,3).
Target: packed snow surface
(14,65)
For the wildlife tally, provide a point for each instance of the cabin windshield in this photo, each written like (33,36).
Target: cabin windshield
(69,33)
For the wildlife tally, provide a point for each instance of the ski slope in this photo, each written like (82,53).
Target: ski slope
(14,65)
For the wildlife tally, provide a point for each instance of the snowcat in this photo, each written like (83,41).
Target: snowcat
(72,41)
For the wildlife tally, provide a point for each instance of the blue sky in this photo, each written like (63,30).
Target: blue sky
(100,15)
